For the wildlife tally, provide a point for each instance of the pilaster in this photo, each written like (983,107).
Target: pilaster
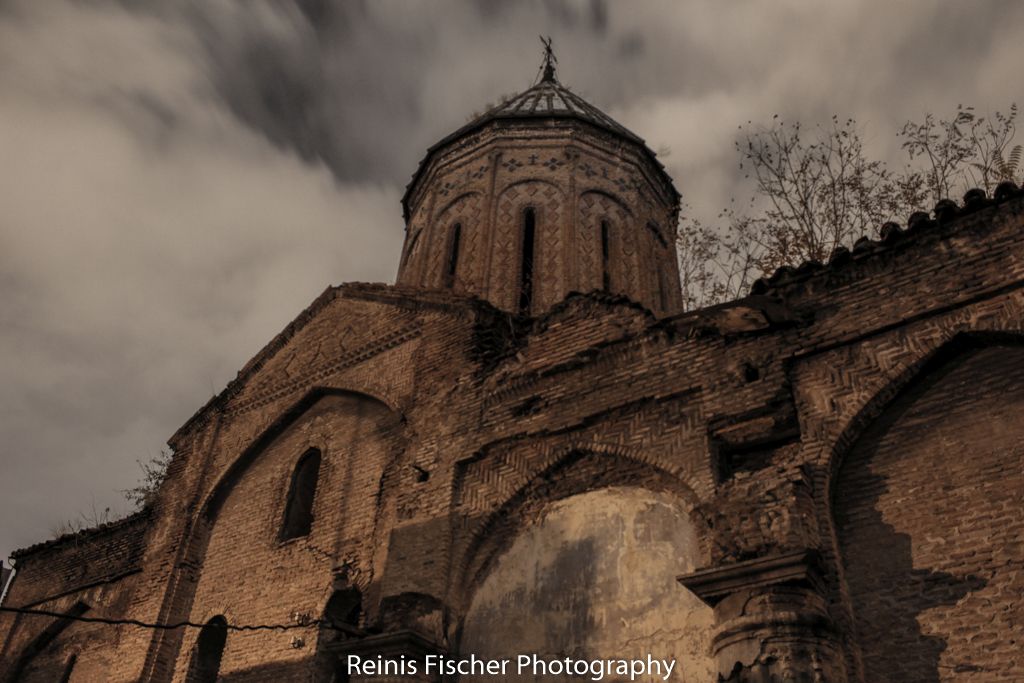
(772,622)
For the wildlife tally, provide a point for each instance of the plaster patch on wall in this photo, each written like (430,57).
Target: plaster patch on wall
(594,577)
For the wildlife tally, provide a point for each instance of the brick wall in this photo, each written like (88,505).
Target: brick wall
(249,575)
(930,525)
(573,177)
(747,409)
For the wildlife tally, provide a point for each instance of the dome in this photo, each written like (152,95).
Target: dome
(539,197)
(548,99)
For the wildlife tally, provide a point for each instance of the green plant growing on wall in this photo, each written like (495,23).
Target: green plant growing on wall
(154,471)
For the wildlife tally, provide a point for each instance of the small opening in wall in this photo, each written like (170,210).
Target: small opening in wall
(340,622)
(422,475)
(751,373)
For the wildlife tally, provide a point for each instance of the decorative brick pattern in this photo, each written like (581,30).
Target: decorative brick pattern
(865,416)
(568,166)
(594,208)
(929,525)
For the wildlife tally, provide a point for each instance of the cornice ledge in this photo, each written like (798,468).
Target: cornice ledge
(800,567)
(391,645)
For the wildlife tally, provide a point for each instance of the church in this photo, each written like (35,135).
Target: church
(525,447)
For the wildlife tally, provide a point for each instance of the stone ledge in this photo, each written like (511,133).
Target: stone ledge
(390,645)
(803,567)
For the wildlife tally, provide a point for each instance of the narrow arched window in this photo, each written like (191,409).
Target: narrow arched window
(606,276)
(526,259)
(298,511)
(663,298)
(205,664)
(69,666)
(453,256)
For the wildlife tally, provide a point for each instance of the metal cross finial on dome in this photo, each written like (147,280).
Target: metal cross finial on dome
(549,59)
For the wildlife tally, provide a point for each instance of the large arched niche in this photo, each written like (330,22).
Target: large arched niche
(366,408)
(927,513)
(593,575)
(357,435)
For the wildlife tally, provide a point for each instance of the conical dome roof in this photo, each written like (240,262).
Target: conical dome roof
(548,99)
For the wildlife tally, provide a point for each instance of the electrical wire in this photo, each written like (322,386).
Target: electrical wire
(305,623)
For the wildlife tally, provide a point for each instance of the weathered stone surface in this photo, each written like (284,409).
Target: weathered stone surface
(587,580)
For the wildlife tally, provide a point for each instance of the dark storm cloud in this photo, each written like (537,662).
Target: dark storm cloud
(181,178)
(332,80)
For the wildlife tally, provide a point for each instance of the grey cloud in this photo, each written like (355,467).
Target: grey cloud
(183,177)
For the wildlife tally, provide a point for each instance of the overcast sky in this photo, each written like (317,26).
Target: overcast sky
(179,182)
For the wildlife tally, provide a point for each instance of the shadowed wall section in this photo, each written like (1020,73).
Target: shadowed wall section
(246,559)
(929,519)
(595,577)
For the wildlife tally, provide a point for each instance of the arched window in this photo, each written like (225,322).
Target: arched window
(69,666)
(298,511)
(340,622)
(453,256)
(343,610)
(205,664)
(606,276)
(526,261)
(662,294)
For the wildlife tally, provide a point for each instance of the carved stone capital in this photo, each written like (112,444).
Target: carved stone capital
(799,567)
(772,620)
(396,649)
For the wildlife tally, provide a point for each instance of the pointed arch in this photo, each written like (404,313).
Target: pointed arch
(453,243)
(904,472)
(547,205)
(605,194)
(956,345)
(573,471)
(298,510)
(219,492)
(455,201)
(603,243)
(573,558)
